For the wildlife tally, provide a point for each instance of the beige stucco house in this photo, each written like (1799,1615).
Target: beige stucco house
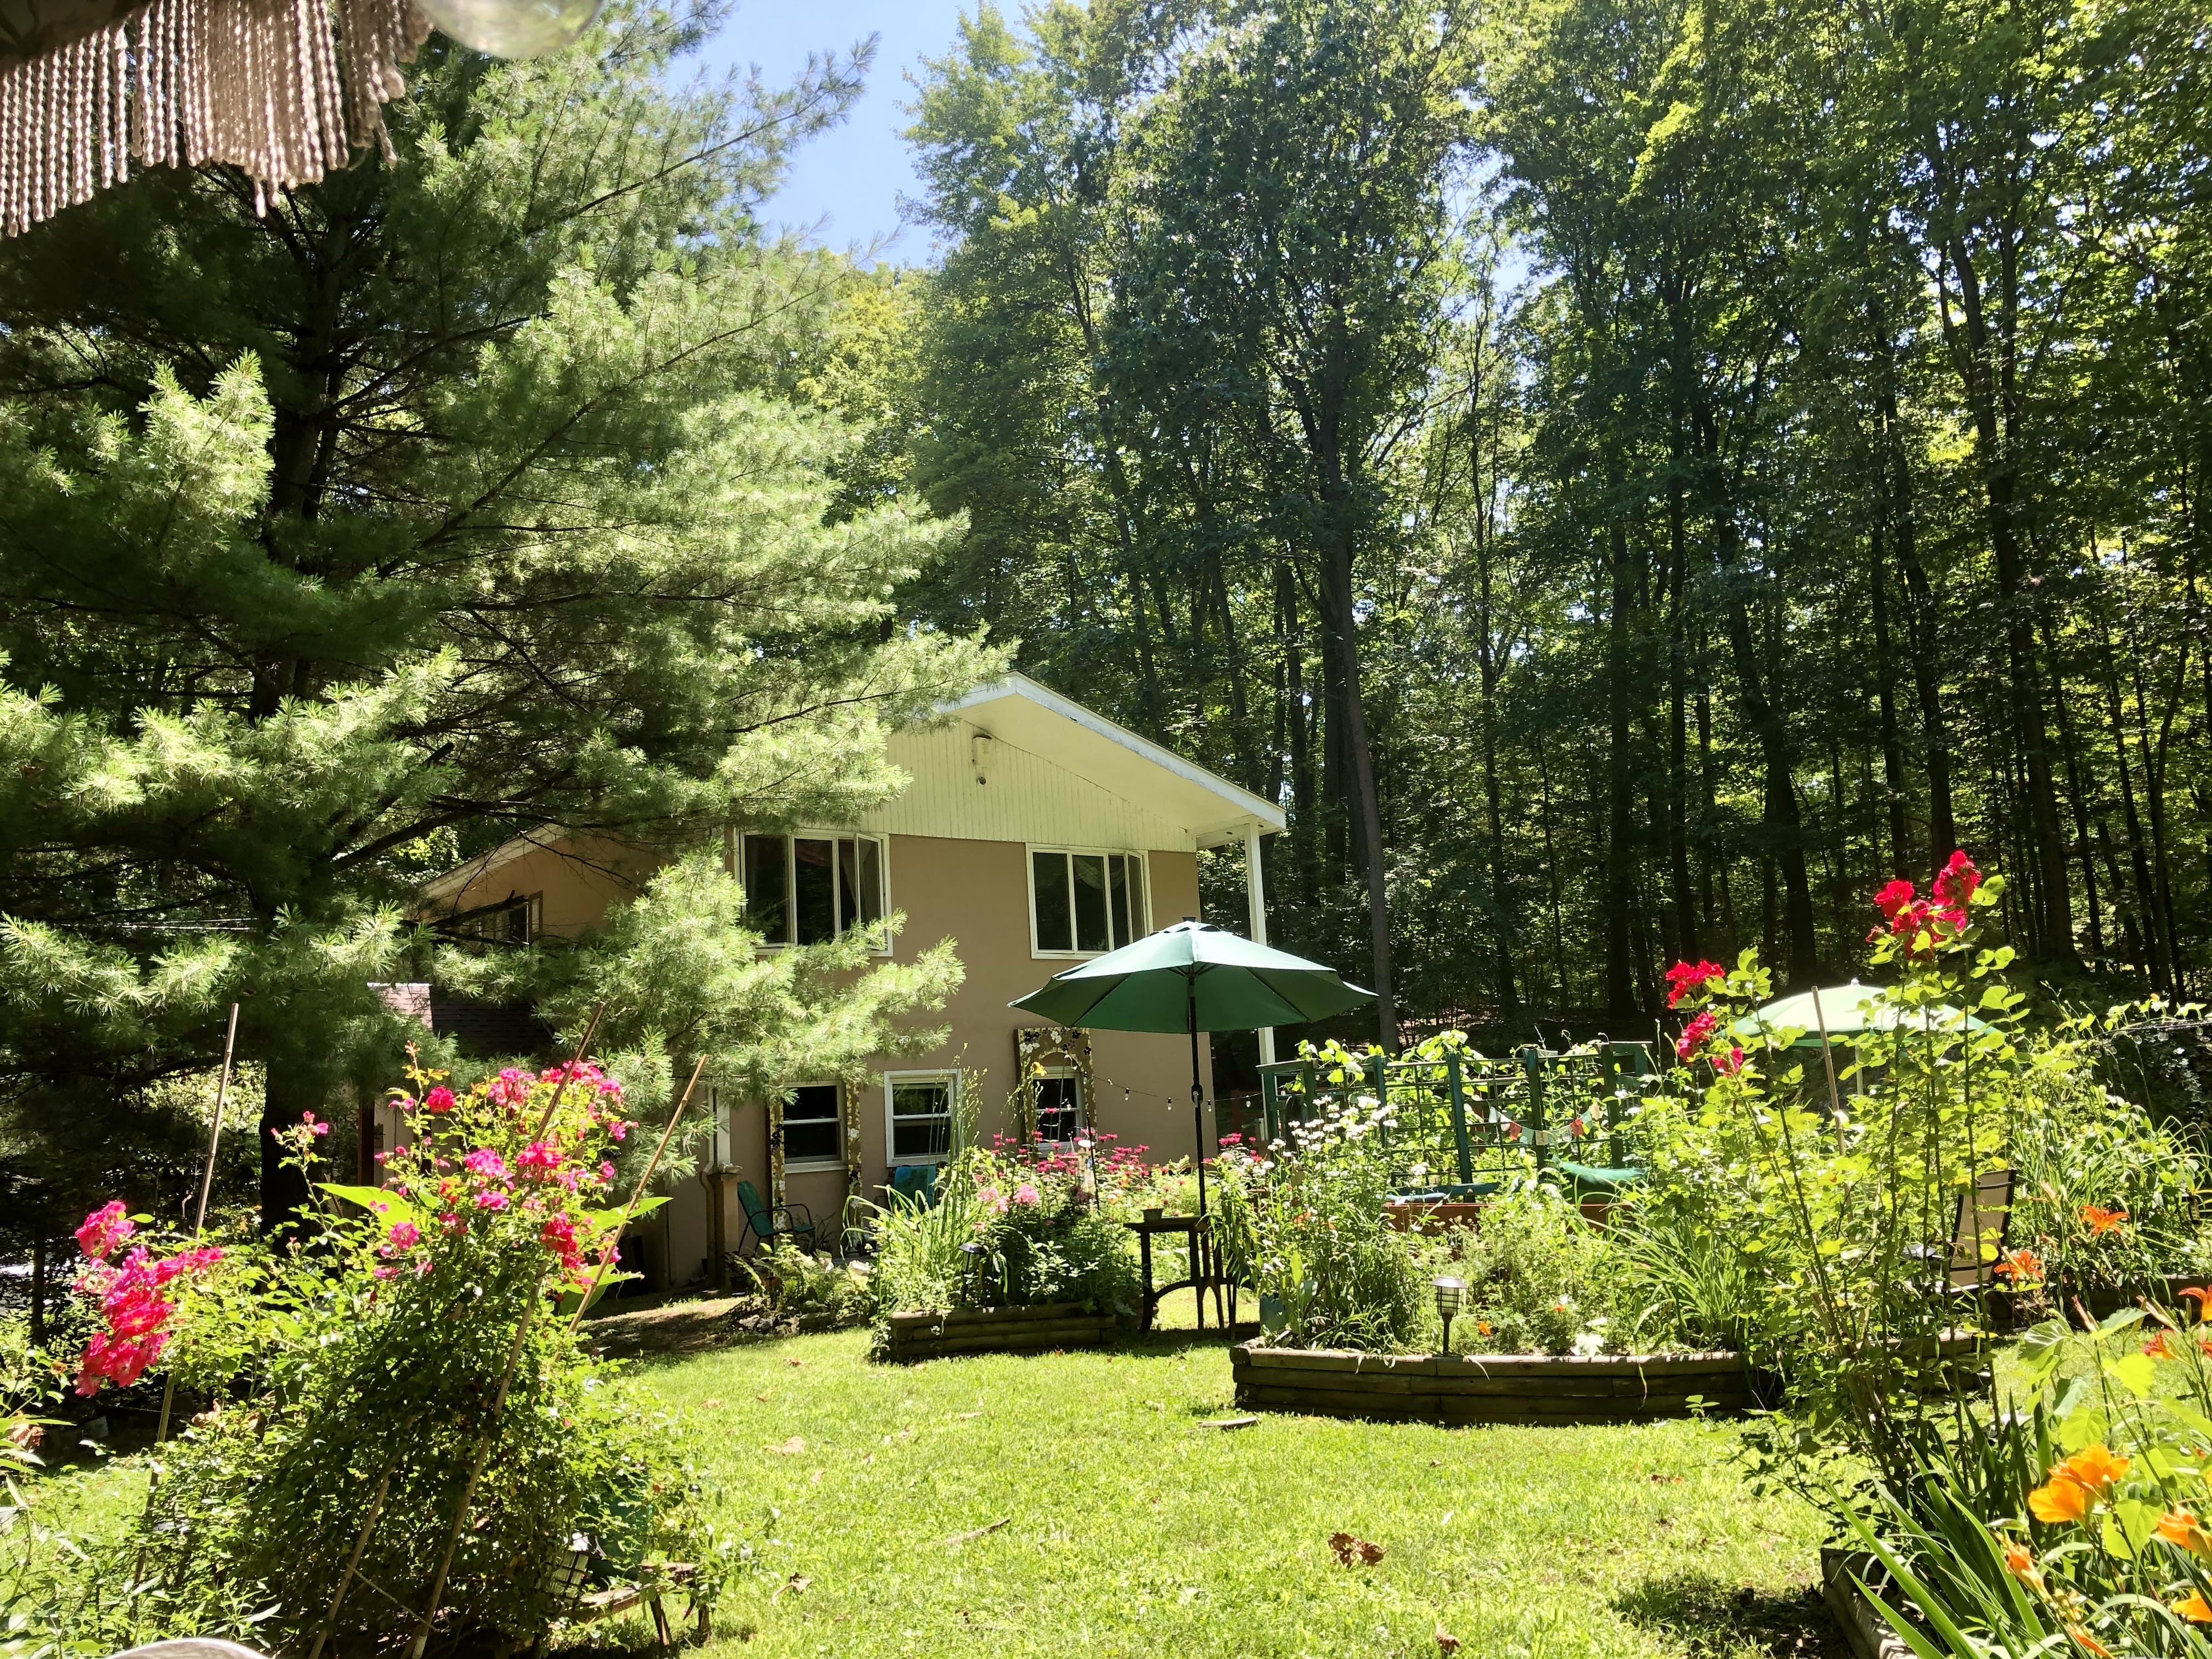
(1035,834)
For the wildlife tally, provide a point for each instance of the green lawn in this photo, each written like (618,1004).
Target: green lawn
(1130,1529)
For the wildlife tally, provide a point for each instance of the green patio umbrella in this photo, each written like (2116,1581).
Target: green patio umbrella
(1192,978)
(1847,1014)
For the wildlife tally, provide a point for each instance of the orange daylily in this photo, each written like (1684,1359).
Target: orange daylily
(2077,1483)
(2019,1562)
(2059,1500)
(2203,1297)
(2087,1642)
(2159,1348)
(2022,1266)
(2181,1528)
(2100,1220)
(2193,1608)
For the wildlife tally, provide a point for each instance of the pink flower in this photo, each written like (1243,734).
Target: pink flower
(383,1273)
(486,1163)
(308,1121)
(440,1099)
(509,1088)
(1026,1194)
(1695,1035)
(1684,977)
(1729,1063)
(991,1200)
(105,1229)
(492,1198)
(538,1157)
(405,1235)
(607,1173)
(617,1128)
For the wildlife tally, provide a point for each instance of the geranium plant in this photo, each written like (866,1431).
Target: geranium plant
(358,1375)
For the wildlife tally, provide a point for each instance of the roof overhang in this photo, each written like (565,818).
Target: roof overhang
(1021,711)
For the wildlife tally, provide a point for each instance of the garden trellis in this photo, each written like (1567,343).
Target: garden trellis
(1461,1117)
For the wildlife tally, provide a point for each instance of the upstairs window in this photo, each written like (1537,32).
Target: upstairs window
(512,921)
(804,890)
(1084,904)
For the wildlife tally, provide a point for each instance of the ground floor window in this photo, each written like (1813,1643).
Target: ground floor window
(920,1106)
(813,1128)
(1059,1106)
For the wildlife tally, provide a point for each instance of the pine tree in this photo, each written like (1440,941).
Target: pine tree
(490,485)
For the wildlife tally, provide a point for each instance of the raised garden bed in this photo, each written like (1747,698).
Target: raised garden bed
(1540,1388)
(995,1330)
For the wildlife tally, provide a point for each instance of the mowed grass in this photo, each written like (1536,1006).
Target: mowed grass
(1123,1526)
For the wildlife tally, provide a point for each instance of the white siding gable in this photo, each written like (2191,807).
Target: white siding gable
(1026,796)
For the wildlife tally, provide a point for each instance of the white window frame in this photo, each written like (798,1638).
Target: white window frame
(948,1076)
(811,1165)
(881,945)
(1144,925)
(1072,1075)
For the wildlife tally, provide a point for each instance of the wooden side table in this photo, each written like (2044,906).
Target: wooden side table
(1201,1280)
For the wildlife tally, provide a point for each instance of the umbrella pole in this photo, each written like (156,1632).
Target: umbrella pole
(1197,1095)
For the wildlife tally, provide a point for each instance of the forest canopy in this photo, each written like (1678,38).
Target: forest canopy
(1650,471)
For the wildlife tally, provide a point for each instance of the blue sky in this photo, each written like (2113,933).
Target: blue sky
(849,180)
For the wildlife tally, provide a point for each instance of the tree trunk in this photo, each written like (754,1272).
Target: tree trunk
(1343,623)
(1619,841)
(1892,749)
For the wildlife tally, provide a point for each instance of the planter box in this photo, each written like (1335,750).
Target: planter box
(1534,1388)
(996,1330)
(1866,1631)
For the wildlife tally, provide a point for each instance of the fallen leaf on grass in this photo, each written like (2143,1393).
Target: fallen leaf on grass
(761,1398)
(797,1582)
(790,1448)
(1436,1462)
(868,1457)
(1351,1551)
(964,1417)
(814,1479)
(1446,1642)
(794,1361)
(966,1537)
(708,1405)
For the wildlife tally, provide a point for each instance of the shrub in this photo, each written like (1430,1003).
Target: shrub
(796,1282)
(418,1336)
(1039,1230)
(1305,1224)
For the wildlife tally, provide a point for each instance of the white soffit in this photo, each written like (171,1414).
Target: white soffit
(1019,712)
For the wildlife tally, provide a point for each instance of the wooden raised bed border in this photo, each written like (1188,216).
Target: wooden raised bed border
(1534,1388)
(935,1335)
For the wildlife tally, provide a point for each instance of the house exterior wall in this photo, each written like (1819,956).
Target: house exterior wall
(977,894)
(974,892)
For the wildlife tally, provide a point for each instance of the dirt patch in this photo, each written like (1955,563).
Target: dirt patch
(670,1330)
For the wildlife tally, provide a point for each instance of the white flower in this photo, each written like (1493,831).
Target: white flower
(1589,1343)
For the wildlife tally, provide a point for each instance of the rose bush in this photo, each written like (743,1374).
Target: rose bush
(368,1357)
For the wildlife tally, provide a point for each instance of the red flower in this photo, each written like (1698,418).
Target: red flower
(103,1230)
(1694,1033)
(1893,898)
(1956,881)
(1684,977)
(1729,1063)
(440,1099)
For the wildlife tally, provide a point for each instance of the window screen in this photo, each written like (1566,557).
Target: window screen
(1087,903)
(921,1120)
(1059,1108)
(804,890)
(812,1129)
